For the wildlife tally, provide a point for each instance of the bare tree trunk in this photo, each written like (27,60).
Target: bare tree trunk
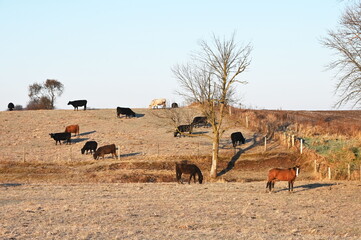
(215,151)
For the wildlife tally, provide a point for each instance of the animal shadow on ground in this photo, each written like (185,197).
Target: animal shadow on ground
(307,187)
(130,154)
(10,184)
(77,140)
(199,133)
(86,133)
(236,156)
(139,115)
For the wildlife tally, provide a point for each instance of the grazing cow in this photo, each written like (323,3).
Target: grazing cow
(78,103)
(107,149)
(61,136)
(158,102)
(200,121)
(174,105)
(11,106)
(183,128)
(280,174)
(125,111)
(89,146)
(72,129)
(237,138)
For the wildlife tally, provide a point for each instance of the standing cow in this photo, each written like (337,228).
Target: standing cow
(155,103)
(72,129)
(78,103)
(237,138)
(58,137)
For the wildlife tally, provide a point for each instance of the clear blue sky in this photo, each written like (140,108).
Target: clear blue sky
(120,53)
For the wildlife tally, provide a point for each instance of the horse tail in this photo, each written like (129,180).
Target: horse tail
(200,175)
(177,172)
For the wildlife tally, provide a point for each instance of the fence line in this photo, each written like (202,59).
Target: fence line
(329,173)
(72,152)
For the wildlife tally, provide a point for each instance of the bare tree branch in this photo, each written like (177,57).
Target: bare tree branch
(210,80)
(346,43)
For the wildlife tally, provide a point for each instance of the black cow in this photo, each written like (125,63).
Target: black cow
(200,121)
(78,103)
(237,137)
(11,106)
(174,105)
(183,128)
(89,146)
(125,111)
(61,136)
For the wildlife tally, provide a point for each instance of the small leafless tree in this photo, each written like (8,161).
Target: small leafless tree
(209,80)
(43,96)
(346,43)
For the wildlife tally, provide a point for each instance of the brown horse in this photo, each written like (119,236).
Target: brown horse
(279,174)
(191,169)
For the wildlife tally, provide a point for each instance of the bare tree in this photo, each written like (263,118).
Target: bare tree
(209,80)
(43,96)
(53,88)
(346,43)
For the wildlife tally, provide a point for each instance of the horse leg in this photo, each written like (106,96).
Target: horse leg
(190,177)
(268,185)
(179,177)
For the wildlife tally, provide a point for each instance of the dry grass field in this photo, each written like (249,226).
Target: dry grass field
(50,191)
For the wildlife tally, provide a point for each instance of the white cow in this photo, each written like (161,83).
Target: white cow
(158,102)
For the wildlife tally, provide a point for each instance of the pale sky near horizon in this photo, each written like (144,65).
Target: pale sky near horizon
(120,53)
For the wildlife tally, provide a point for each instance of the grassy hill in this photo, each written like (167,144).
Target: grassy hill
(147,148)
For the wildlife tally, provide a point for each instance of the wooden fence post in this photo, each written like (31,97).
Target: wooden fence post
(315,166)
(71,157)
(288,141)
(265,143)
(329,173)
(293,140)
(198,151)
(348,172)
(301,147)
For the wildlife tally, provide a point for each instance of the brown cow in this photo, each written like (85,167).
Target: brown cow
(72,129)
(107,149)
